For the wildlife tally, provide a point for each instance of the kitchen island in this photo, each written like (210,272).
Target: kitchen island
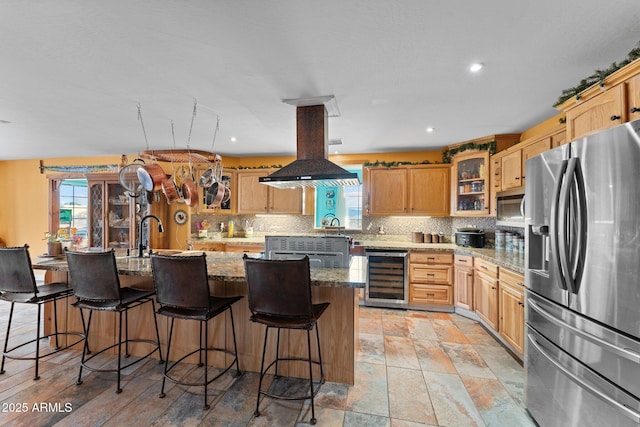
(338,326)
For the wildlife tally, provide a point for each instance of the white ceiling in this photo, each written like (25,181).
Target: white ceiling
(72,72)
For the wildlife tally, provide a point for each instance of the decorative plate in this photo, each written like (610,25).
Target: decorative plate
(180,217)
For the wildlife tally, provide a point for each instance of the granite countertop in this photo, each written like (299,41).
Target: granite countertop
(228,266)
(511,261)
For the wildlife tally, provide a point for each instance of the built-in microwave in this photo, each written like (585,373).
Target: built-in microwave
(510,208)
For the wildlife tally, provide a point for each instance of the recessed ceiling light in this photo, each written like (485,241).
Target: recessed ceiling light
(430,129)
(474,68)
(233,139)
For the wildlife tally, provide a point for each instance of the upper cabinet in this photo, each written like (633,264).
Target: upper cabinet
(601,112)
(470,190)
(256,198)
(472,175)
(614,101)
(408,190)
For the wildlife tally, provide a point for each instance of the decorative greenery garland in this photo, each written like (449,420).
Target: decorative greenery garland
(598,76)
(391,164)
(485,146)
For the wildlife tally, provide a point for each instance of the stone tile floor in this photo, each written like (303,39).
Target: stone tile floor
(414,369)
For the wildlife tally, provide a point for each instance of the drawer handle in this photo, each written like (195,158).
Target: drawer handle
(614,118)
(431,274)
(520,303)
(493,287)
(634,110)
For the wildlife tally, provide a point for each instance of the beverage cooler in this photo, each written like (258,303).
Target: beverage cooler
(387,278)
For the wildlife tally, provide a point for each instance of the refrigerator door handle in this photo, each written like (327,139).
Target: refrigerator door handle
(555,227)
(622,352)
(572,205)
(628,412)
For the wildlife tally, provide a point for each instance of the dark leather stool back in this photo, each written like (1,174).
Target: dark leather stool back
(94,275)
(279,287)
(16,273)
(181,281)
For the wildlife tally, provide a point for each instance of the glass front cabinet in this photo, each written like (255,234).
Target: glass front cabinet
(470,184)
(114,215)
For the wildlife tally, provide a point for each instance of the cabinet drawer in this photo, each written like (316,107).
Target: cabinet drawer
(431,274)
(511,278)
(430,258)
(432,294)
(463,260)
(486,267)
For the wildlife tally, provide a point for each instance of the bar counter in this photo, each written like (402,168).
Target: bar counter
(338,326)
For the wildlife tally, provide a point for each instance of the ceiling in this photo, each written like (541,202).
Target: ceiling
(74,72)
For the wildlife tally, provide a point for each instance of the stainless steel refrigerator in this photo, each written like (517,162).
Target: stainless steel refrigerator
(582,230)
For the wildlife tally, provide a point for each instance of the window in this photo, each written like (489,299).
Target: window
(340,206)
(73,202)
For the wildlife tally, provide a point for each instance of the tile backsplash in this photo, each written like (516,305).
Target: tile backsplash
(378,226)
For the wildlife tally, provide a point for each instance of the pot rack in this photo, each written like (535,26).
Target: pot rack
(180,156)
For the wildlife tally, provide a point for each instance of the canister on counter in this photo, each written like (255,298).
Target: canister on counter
(427,237)
(508,242)
(500,240)
(434,237)
(417,237)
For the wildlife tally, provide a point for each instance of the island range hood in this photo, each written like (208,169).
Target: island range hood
(311,168)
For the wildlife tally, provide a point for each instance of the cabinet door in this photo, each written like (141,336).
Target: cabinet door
(285,200)
(429,191)
(512,170)
(388,191)
(495,181)
(532,150)
(463,287)
(633,97)
(486,298)
(512,316)
(470,189)
(601,112)
(252,196)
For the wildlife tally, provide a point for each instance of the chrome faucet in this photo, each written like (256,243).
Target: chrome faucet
(141,246)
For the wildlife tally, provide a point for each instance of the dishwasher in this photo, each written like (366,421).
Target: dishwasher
(387,278)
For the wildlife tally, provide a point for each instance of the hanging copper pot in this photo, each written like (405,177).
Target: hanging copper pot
(190,193)
(170,190)
(151,177)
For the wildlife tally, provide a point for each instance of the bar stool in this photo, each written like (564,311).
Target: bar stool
(182,290)
(96,286)
(18,285)
(280,297)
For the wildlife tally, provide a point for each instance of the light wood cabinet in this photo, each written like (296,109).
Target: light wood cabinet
(463,281)
(429,189)
(531,150)
(485,286)
(255,198)
(243,247)
(470,189)
(559,138)
(430,279)
(495,181)
(387,191)
(633,97)
(511,309)
(412,190)
(512,170)
(606,110)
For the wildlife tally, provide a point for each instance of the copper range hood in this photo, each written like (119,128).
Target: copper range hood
(311,168)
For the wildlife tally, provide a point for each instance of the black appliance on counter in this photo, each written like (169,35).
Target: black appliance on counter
(470,237)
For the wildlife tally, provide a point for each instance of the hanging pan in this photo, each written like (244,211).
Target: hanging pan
(128,177)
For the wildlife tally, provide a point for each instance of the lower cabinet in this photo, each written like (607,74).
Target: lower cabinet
(511,309)
(430,279)
(227,247)
(485,287)
(463,282)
